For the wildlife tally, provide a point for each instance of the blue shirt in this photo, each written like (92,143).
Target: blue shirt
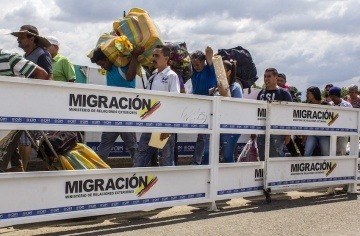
(116,77)
(204,80)
(236,90)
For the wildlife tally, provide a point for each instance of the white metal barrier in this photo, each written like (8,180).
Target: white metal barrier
(304,172)
(243,117)
(43,105)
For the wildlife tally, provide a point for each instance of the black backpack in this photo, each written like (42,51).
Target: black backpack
(245,69)
(61,142)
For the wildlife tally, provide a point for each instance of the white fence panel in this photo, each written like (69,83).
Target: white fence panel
(245,117)
(308,172)
(45,105)
(44,196)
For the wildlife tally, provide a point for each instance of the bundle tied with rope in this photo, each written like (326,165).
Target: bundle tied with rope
(223,84)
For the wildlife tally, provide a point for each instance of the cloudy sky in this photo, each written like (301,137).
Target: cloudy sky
(314,42)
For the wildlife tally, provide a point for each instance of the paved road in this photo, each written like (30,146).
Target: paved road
(292,213)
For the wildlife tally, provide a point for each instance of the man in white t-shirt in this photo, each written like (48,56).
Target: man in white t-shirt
(163,79)
(336,100)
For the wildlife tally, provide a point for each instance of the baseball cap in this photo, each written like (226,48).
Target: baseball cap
(53,40)
(336,91)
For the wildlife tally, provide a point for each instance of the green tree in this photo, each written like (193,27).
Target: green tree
(295,94)
(344,92)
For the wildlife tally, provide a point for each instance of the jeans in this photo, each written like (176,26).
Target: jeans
(108,139)
(313,141)
(276,146)
(227,144)
(201,149)
(145,152)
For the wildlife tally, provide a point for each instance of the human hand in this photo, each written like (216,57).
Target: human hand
(287,139)
(138,50)
(209,51)
(212,91)
(164,136)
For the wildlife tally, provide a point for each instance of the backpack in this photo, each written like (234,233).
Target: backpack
(245,67)
(61,142)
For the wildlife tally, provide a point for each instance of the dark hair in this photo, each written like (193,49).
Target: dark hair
(198,55)
(98,55)
(315,91)
(230,65)
(273,71)
(165,50)
(282,75)
(327,86)
(31,29)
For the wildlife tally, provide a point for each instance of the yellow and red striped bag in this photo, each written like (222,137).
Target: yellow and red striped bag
(140,29)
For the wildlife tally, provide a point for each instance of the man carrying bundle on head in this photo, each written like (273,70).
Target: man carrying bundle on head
(118,77)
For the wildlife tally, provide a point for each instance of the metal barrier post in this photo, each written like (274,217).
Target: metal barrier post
(214,154)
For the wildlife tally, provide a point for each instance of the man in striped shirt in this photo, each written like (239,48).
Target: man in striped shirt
(12,64)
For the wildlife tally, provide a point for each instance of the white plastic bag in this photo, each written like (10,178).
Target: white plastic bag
(249,153)
(188,86)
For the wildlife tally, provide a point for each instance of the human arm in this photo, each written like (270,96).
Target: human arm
(45,62)
(223,91)
(164,136)
(181,83)
(236,91)
(209,53)
(286,95)
(69,70)
(287,139)
(40,73)
(22,66)
(133,65)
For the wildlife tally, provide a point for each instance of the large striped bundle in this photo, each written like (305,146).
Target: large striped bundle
(180,59)
(140,30)
(81,157)
(107,44)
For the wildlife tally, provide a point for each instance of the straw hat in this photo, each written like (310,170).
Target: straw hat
(32,30)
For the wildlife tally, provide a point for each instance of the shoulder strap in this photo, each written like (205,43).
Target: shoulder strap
(151,80)
(259,94)
(122,74)
(282,95)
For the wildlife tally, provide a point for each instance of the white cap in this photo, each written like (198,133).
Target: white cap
(53,40)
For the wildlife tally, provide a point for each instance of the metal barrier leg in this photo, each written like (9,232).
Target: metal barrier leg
(352,188)
(213,207)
